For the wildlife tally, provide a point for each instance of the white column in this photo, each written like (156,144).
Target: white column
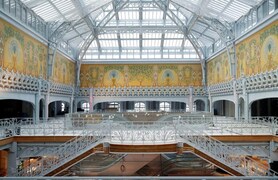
(12,169)
(91,100)
(46,102)
(71,102)
(235,100)
(37,104)
(190,99)
(246,100)
(210,101)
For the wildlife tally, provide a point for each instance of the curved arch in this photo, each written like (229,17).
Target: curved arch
(199,105)
(58,108)
(56,98)
(226,98)
(264,107)
(262,95)
(18,96)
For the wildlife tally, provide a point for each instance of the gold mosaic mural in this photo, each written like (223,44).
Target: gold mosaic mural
(259,52)
(255,54)
(141,75)
(21,53)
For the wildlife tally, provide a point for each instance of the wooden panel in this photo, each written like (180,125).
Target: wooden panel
(61,139)
(244,138)
(6,141)
(142,148)
(42,139)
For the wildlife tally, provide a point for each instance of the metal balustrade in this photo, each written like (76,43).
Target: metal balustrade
(193,129)
(231,156)
(55,158)
(254,126)
(253,83)
(73,124)
(16,81)
(175,91)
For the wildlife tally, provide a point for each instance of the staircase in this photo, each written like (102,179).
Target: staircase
(229,158)
(71,152)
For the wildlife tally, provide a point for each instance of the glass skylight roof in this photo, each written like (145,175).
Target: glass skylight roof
(133,27)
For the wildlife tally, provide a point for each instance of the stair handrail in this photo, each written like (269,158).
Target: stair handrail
(63,153)
(228,155)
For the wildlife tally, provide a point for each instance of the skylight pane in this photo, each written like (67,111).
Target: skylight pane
(172,43)
(130,43)
(128,15)
(151,35)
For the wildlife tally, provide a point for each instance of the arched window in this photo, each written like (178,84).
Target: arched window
(139,106)
(165,106)
(85,106)
(113,106)
(63,106)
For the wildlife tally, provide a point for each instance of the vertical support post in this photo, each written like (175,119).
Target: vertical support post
(91,100)
(235,100)
(71,102)
(180,148)
(37,103)
(106,147)
(74,106)
(246,100)
(12,169)
(210,102)
(190,99)
(47,102)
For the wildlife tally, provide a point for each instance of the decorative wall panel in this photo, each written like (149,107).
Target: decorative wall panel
(141,75)
(21,53)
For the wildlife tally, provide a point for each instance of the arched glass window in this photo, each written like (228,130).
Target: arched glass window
(140,107)
(165,106)
(114,106)
(86,106)
(63,106)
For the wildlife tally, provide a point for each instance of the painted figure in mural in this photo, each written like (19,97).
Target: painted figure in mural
(126,76)
(155,76)
(14,52)
(113,76)
(180,76)
(101,79)
(1,50)
(269,51)
(168,76)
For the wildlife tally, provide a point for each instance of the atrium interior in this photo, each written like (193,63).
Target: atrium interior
(139,89)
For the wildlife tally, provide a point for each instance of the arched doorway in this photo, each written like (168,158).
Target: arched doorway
(83,106)
(58,108)
(265,107)
(15,108)
(199,105)
(224,108)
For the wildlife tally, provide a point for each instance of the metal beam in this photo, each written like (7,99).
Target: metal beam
(80,6)
(163,34)
(140,34)
(120,5)
(117,19)
(163,6)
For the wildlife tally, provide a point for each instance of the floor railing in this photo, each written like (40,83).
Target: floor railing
(230,156)
(54,158)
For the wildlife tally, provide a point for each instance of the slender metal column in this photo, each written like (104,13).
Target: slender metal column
(12,169)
